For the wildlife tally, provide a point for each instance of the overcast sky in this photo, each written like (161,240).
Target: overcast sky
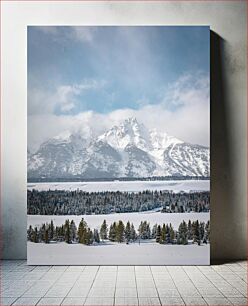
(90,78)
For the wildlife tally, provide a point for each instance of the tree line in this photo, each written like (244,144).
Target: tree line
(111,179)
(191,232)
(78,202)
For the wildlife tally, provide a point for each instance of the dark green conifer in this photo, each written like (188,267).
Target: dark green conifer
(158,234)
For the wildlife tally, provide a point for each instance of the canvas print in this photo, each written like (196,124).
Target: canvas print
(118,145)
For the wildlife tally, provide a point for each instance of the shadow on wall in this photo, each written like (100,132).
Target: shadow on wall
(225,234)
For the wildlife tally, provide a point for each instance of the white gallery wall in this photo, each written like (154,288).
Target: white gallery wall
(227,20)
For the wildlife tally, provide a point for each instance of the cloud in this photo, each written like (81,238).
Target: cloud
(189,89)
(189,121)
(73,33)
(83,34)
(62,99)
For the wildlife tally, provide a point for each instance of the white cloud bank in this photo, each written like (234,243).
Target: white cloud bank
(183,111)
(63,99)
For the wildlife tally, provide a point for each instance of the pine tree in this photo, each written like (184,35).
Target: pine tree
(113,232)
(158,234)
(172,207)
(46,235)
(127,232)
(133,234)
(67,232)
(172,234)
(51,230)
(144,230)
(89,237)
(104,230)
(182,233)
(207,231)
(163,235)
(202,230)
(46,238)
(73,231)
(29,233)
(96,236)
(167,234)
(154,231)
(62,231)
(55,234)
(196,232)
(148,231)
(42,231)
(141,230)
(35,235)
(190,230)
(82,232)
(120,231)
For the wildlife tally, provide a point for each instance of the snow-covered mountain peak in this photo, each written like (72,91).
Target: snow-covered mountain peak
(131,126)
(130,131)
(131,120)
(161,140)
(62,137)
(126,150)
(75,140)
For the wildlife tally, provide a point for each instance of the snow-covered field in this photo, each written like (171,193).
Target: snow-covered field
(131,186)
(95,221)
(147,253)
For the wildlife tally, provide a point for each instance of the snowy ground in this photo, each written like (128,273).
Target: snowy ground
(95,221)
(131,186)
(147,253)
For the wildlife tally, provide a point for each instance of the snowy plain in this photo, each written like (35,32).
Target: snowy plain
(145,253)
(130,186)
(108,253)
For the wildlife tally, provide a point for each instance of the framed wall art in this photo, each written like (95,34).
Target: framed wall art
(118,145)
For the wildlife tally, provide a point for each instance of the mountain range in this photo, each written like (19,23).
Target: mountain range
(129,150)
